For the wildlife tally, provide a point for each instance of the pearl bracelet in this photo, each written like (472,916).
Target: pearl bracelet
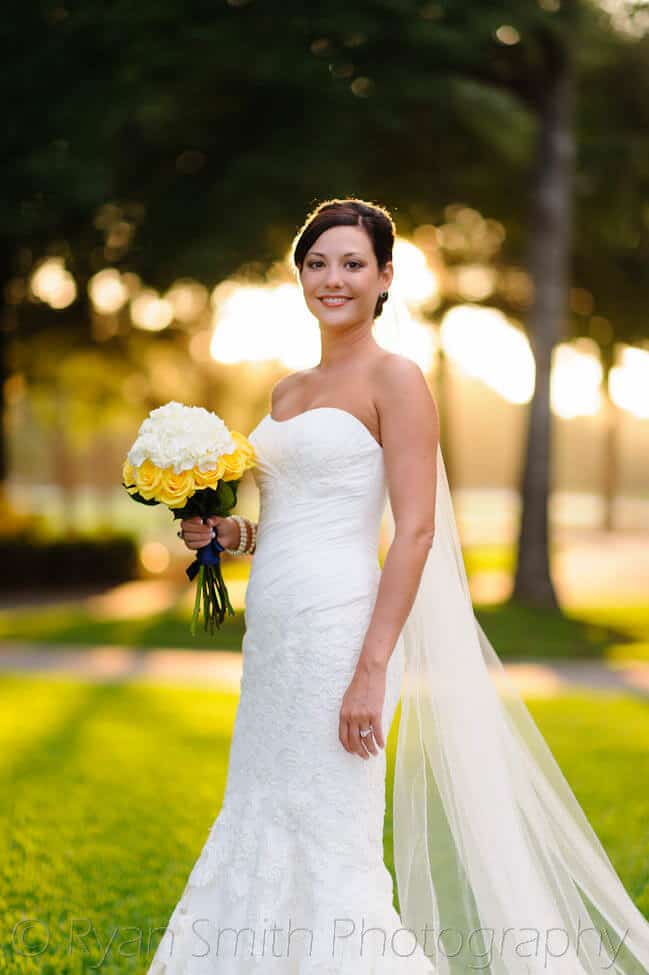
(244,525)
(243,536)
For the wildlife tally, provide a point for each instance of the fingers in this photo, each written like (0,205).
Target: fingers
(195,544)
(196,534)
(356,744)
(343,733)
(378,731)
(351,740)
(367,741)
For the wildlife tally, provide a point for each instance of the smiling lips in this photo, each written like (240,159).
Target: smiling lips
(334,302)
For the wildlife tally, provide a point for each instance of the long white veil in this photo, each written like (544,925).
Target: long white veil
(498,869)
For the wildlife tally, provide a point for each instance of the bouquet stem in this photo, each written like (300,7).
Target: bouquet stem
(197,600)
(211,590)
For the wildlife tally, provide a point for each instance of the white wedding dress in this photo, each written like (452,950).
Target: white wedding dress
(298,842)
(492,849)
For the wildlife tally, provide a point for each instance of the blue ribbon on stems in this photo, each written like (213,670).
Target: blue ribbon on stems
(208,555)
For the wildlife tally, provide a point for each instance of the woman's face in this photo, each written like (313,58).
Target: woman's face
(341,263)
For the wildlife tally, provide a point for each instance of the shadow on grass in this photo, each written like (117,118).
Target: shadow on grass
(109,791)
(517,632)
(105,809)
(77,627)
(520,632)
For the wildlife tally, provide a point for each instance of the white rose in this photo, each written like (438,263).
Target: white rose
(182,437)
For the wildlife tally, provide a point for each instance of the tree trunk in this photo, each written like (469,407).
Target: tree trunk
(549,253)
(7,327)
(610,465)
(4,375)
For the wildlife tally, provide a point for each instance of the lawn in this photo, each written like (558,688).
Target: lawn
(76,625)
(516,632)
(108,791)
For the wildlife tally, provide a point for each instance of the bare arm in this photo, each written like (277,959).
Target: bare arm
(410,435)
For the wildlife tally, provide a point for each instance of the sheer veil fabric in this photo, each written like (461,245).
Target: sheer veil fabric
(498,869)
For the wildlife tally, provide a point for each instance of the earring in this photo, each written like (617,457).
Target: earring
(384,295)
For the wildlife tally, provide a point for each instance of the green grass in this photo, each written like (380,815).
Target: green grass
(521,632)
(107,793)
(516,632)
(75,625)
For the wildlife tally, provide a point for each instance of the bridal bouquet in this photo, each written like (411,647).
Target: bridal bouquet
(185,457)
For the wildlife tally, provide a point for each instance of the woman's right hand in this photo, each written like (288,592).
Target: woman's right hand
(196,533)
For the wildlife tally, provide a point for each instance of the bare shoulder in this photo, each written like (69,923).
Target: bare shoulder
(410,438)
(393,365)
(402,392)
(286,385)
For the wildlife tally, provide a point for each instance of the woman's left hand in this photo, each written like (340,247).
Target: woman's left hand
(362,706)
(227,530)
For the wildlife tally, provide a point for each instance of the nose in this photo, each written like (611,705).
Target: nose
(333,278)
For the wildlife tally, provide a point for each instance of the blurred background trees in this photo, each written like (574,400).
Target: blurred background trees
(159,158)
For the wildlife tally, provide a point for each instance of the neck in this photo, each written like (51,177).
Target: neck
(341,344)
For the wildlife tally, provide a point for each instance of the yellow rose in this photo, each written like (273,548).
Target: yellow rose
(240,459)
(243,444)
(128,477)
(175,488)
(235,466)
(204,479)
(148,478)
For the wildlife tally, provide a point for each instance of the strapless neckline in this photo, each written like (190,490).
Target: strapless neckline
(331,409)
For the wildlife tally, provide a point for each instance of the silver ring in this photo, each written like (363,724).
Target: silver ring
(364,732)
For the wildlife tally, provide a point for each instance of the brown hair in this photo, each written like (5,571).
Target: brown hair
(375,220)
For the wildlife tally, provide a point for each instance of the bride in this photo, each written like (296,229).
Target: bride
(497,867)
